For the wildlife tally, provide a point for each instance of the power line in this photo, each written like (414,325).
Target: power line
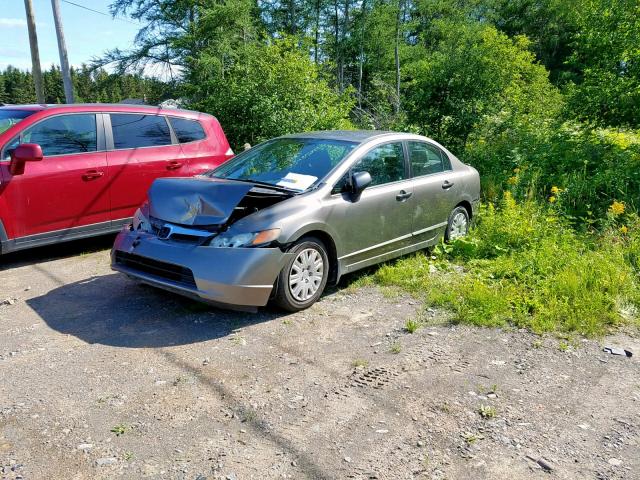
(100,13)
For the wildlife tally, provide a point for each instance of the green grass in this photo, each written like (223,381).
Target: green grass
(487,412)
(120,429)
(471,438)
(360,363)
(523,266)
(396,347)
(412,325)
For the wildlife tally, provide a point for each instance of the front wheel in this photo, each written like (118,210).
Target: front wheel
(458,224)
(302,280)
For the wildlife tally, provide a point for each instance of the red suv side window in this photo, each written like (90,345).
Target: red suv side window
(135,131)
(187,130)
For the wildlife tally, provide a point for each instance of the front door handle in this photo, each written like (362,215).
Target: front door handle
(92,174)
(174,165)
(447,185)
(402,195)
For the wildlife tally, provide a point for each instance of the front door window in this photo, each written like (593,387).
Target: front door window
(385,164)
(60,135)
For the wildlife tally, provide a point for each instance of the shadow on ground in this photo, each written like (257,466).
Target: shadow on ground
(60,250)
(114,310)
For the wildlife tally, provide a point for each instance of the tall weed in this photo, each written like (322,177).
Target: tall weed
(523,265)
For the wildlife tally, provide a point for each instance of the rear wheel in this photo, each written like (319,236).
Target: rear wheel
(302,280)
(458,224)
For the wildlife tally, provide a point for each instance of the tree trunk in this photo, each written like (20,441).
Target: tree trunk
(317,33)
(396,107)
(345,29)
(361,53)
(338,49)
(292,17)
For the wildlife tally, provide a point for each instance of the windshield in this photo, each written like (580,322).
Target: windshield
(8,118)
(292,163)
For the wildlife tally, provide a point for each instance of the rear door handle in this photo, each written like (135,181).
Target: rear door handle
(174,165)
(447,184)
(402,195)
(92,174)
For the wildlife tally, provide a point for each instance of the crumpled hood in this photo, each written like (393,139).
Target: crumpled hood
(195,201)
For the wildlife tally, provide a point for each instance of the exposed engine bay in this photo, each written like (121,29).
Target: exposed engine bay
(195,210)
(255,200)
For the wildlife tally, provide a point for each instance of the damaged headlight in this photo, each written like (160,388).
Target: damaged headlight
(141,219)
(254,239)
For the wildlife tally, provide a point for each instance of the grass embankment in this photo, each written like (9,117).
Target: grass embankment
(524,266)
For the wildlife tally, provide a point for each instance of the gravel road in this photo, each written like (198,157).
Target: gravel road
(103,378)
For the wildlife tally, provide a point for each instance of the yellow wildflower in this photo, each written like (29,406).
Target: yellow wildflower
(616,208)
(552,199)
(509,201)
(512,180)
(624,229)
(555,190)
(516,170)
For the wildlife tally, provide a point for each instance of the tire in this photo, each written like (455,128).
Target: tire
(297,290)
(457,225)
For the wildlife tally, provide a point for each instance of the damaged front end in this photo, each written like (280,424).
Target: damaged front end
(183,240)
(201,210)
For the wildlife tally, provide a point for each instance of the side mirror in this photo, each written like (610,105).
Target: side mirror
(23,153)
(360,181)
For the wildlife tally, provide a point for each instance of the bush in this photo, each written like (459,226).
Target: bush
(591,166)
(472,73)
(524,266)
(272,90)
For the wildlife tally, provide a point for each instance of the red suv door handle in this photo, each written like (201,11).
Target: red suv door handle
(92,175)
(174,165)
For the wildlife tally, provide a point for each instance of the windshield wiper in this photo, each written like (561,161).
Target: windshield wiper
(262,184)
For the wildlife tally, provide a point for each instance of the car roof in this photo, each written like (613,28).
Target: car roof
(105,107)
(358,136)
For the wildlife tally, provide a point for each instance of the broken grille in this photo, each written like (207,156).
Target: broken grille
(168,271)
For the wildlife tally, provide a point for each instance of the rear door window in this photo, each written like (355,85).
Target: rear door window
(62,135)
(138,130)
(187,130)
(427,159)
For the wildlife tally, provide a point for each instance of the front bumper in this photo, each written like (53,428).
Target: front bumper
(226,276)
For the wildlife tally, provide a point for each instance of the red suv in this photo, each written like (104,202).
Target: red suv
(72,171)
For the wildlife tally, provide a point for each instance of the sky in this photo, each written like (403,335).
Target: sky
(87,34)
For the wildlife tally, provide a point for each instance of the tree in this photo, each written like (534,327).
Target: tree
(3,92)
(473,74)
(53,88)
(90,85)
(19,86)
(176,33)
(271,90)
(606,53)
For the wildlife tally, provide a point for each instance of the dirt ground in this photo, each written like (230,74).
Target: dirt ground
(103,378)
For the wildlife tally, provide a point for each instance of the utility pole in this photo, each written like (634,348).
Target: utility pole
(62,48)
(36,72)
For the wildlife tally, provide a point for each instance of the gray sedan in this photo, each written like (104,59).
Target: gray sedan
(281,220)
